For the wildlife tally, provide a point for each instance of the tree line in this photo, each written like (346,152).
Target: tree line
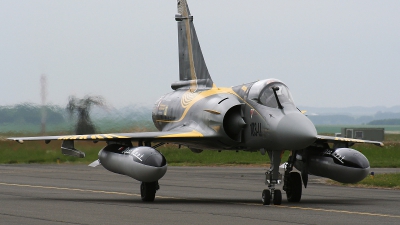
(31,114)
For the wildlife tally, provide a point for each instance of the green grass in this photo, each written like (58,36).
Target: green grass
(381,157)
(39,152)
(382,180)
(185,157)
(388,180)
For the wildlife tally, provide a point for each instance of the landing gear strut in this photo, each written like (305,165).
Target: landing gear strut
(148,191)
(272,178)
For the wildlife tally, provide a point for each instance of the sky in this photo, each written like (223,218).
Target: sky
(329,53)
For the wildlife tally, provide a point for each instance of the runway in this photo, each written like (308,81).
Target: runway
(78,194)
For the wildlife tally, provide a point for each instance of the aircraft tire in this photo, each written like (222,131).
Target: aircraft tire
(266,197)
(148,191)
(277,197)
(293,192)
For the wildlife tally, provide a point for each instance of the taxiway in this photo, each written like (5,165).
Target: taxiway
(78,194)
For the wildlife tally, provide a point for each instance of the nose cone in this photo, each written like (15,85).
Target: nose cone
(295,131)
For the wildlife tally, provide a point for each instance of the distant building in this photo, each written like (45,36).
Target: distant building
(372,134)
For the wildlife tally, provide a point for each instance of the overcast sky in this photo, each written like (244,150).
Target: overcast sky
(329,53)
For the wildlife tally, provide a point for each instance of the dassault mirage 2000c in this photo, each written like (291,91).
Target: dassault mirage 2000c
(257,116)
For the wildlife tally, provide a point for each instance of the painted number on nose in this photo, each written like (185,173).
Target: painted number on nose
(255,129)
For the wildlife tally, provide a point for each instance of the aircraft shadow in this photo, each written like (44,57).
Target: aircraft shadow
(208,201)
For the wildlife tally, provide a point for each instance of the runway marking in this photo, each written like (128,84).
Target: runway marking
(166,197)
(69,189)
(339,211)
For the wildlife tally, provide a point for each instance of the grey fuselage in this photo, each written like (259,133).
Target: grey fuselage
(234,120)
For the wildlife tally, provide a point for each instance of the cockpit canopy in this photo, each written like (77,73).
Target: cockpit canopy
(262,92)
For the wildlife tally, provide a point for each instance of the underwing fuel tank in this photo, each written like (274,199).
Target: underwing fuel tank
(141,163)
(344,165)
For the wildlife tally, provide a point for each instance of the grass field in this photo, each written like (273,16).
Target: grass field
(391,180)
(39,152)
(382,180)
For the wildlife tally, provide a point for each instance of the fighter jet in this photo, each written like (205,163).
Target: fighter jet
(259,116)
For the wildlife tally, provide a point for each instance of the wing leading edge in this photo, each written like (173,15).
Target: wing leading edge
(169,136)
(329,139)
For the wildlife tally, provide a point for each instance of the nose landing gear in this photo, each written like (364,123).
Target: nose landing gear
(275,196)
(272,178)
(292,183)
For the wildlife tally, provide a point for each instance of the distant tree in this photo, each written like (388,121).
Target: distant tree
(385,122)
(29,113)
(81,107)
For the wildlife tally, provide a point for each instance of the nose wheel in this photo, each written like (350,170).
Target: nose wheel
(266,197)
(274,195)
(277,199)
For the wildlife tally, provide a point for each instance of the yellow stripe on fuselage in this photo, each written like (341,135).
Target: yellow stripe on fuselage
(200,96)
(193,133)
(205,94)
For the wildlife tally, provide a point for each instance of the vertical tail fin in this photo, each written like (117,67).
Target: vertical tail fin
(193,72)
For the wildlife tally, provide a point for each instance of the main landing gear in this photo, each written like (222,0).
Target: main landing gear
(148,191)
(292,186)
(292,181)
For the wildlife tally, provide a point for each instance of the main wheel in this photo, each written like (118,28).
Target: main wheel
(266,197)
(277,197)
(148,191)
(294,187)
